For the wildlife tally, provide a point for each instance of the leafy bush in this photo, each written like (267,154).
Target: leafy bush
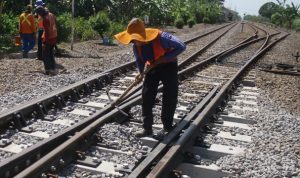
(100,23)
(115,28)
(296,24)
(185,16)
(8,29)
(206,20)
(83,31)
(210,11)
(88,34)
(276,18)
(179,23)
(64,27)
(198,17)
(191,22)
(8,24)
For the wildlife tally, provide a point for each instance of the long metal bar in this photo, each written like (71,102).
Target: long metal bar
(163,167)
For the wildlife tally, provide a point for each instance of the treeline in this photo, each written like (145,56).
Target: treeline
(280,14)
(95,18)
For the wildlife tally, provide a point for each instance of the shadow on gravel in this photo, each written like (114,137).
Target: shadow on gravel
(103,44)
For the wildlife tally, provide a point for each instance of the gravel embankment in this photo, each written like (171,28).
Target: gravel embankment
(275,150)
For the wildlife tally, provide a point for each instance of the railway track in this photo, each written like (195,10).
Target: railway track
(88,102)
(30,124)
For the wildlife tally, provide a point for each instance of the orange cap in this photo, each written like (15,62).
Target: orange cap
(136,31)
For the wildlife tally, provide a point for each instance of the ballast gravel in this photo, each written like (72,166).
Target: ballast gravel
(275,150)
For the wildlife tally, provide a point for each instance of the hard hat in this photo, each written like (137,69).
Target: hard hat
(39,3)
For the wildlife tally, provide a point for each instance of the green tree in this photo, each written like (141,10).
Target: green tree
(296,24)
(290,13)
(276,18)
(268,9)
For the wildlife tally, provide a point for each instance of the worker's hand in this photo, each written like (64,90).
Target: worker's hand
(156,62)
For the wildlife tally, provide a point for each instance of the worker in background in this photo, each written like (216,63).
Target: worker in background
(49,39)
(157,51)
(40,30)
(27,29)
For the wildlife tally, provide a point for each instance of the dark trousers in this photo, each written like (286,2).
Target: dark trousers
(167,74)
(40,45)
(28,42)
(48,57)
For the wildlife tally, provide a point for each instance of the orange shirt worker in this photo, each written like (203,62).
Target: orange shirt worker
(27,29)
(158,51)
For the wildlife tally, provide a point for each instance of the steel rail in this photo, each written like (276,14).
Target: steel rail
(168,161)
(227,51)
(184,62)
(24,159)
(57,152)
(207,33)
(18,113)
(143,166)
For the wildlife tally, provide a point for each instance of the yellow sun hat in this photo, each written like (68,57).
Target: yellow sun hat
(136,31)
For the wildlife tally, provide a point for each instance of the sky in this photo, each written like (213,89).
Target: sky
(251,7)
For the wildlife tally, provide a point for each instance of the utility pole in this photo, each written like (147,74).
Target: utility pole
(72,37)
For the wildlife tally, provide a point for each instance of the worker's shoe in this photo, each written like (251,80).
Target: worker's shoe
(144,133)
(162,133)
(25,55)
(51,72)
